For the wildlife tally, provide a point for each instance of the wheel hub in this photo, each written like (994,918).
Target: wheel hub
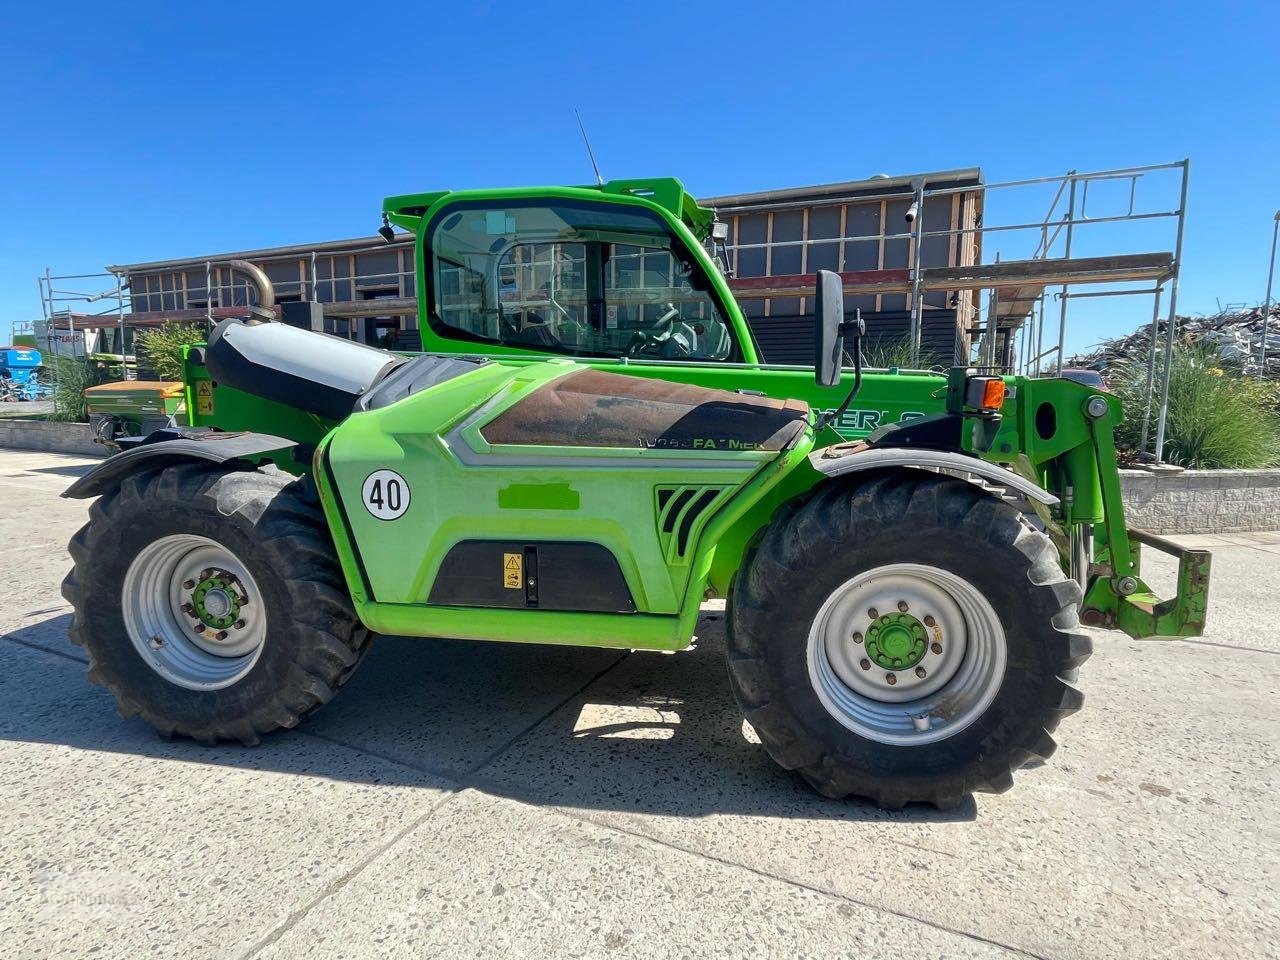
(906,653)
(193,611)
(896,641)
(216,601)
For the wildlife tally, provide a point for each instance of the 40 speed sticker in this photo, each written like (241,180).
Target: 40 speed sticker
(385,494)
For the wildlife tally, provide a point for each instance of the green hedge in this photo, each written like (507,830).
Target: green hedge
(1217,417)
(161,349)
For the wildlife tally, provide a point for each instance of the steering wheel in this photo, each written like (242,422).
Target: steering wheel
(662,338)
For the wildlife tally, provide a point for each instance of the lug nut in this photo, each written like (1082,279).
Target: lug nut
(935,647)
(199,628)
(873,613)
(220,635)
(920,672)
(890,678)
(188,609)
(929,621)
(902,606)
(239,624)
(865,664)
(857,637)
(188,584)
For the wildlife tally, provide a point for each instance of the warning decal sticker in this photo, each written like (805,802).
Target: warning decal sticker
(204,398)
(512,570)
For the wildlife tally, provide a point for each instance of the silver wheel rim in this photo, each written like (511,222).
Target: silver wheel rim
(949,687)
(167,628)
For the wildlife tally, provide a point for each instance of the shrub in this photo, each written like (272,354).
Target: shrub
(161,348)
(71,376)
(1217,418)
(887,352)
(1266,392)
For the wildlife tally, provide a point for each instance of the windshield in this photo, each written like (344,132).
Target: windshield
(577,278)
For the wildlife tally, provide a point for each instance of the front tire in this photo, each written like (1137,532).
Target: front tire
(210,602)
(907,639)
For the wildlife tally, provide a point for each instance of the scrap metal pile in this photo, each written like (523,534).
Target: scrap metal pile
(1235,334)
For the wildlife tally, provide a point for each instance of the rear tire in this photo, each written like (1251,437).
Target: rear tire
(271,635)
(889,707)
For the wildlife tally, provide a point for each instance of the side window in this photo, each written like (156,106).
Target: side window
(649,293)
(577,278)
(542,294)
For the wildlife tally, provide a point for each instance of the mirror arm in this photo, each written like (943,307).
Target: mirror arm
(855,329)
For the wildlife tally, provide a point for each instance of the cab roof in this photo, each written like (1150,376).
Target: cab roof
(667,193)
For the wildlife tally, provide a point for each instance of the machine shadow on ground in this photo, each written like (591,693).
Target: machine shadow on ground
(70,470)
(558,726)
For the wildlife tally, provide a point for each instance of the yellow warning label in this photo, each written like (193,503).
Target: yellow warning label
(204,398)
(512,570)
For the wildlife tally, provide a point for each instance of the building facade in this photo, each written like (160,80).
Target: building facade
(778,240)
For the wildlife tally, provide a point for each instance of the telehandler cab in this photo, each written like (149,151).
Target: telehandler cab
(589,448)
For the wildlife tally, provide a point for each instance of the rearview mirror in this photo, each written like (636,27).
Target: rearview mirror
(828,339)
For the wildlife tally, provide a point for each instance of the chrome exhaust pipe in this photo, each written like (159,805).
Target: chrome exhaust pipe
(266,290)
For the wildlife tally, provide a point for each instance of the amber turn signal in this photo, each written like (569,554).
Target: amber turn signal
(993,394)
(985,394)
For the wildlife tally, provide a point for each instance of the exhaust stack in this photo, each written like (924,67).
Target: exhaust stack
(266,305)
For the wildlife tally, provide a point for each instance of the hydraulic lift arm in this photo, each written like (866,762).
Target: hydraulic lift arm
(1117,596)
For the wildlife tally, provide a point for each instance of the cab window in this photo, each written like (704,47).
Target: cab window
(576,278)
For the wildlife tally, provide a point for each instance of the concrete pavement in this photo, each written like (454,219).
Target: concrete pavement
(481,799)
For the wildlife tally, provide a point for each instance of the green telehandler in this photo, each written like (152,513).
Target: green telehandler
(589,447)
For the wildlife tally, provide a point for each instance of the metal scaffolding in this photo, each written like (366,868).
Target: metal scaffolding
(1018,291)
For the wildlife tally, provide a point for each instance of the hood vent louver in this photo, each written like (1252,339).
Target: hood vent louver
(681,512)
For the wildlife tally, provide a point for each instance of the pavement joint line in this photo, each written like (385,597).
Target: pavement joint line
(31,614)
(376,754)
(1267,548)
(1227,646)
(791,881)
(451,790)
(31,545)
(337,884)
(43,649)
(534,724)
(473,780)
(923,849)
(464,778)
(456,788)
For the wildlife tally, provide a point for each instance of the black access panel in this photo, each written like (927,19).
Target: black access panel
(307,315)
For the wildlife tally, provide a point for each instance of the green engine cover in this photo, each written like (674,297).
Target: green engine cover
(551,489)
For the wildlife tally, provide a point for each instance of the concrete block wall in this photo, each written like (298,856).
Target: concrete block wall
(1195,501)
(1202,501)
(75,438)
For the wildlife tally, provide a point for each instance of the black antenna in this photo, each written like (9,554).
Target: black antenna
(590,153)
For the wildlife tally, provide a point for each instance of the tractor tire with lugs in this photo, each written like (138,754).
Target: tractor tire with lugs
(210,601)
(905,638)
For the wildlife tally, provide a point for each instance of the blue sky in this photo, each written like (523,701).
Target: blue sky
(158,130)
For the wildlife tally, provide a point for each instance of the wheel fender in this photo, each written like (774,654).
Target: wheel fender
(834,462)
(213,447)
